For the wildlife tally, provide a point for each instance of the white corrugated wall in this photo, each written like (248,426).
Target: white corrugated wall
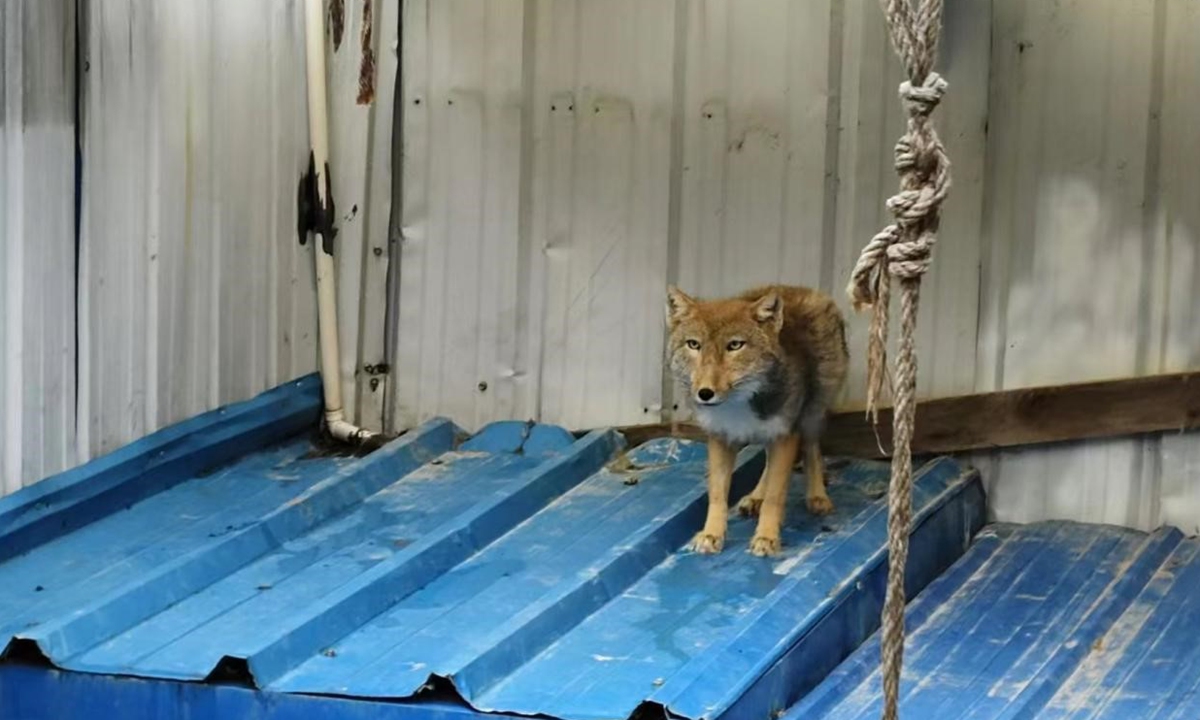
(1091,263)
(566,159)
(37,240)
(195,291)
(713,144)
(563,161)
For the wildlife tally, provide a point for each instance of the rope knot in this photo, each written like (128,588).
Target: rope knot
(866,277)
(909,259)
(921,100)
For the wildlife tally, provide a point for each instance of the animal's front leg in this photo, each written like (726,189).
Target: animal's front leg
(780,459)
(721,456)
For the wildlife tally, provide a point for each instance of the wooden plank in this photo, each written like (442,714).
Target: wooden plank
(1009,418)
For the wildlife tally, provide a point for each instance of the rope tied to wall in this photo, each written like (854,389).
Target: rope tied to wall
(903,250)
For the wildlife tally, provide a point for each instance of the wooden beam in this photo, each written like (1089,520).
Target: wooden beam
(1009,418)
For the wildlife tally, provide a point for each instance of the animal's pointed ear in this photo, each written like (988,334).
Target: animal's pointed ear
(679,305)
(768,310)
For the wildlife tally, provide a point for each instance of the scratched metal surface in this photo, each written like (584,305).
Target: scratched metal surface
(532,571)
(37,240)
(1051,620)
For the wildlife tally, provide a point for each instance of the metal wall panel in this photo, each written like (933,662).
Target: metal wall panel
(708,143)
(37,239)
(870,121)
(194,290)
(718,144)
(1091,268)
(563,161)
(464,153)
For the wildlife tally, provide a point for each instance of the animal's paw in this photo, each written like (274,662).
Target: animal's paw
(707,543)
(764,546)
(749,506)
(820,505)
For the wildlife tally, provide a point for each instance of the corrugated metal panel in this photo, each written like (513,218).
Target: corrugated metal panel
(1054,620)
(37,240)
(536,572)
(41,693)
(1090,262)
(719,144)
(692,142)
(194,289)
(570,160)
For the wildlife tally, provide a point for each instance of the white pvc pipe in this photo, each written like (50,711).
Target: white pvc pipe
(327,328)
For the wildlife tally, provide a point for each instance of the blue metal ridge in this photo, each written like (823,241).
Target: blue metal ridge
(528,571)
(65,502)
(100,618)
(776,657)
(1147,664)
(1119,595)
(491,613)
(35,693)
(486,660)
(258,602)
(519,437)
(152,611)
(695,626)
(783,604)
(266,609)
(996,636)
(55,578)
(859,665)
(355,603)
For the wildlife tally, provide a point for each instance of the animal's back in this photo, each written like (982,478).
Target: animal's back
(813,336)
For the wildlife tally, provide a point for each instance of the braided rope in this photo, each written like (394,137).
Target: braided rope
(904,250)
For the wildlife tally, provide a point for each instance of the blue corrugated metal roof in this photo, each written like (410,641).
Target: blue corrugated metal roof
(536,572)
(1054,620)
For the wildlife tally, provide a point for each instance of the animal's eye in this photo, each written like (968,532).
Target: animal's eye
(735,345)
(693,344)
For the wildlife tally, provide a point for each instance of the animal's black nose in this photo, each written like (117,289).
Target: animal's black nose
(705,394)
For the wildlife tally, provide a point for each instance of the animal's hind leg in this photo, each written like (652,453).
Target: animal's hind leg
(814,468)
(817,499)
(752,503)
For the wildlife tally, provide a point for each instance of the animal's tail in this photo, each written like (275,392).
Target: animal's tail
(841,325)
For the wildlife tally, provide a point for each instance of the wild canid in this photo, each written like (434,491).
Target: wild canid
(759,368)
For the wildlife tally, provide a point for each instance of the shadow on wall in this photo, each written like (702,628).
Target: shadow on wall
(1090,298)
(1100,290)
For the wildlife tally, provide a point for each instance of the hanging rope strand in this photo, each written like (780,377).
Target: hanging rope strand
(903,250)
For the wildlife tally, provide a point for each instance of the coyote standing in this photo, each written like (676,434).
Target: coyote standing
(759,368)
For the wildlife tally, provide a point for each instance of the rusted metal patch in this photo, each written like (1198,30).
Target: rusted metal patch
(366,69)
(337,21)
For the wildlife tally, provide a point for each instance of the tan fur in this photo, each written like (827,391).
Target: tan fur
(762,367)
